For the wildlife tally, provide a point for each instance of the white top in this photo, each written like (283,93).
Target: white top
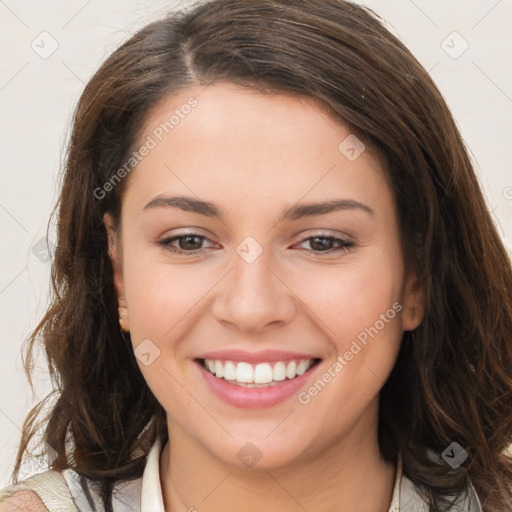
(152,500)
(145,494)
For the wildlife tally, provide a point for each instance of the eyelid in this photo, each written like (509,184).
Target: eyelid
(325,234)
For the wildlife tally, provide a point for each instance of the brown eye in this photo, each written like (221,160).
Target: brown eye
(189,243)
(327,244)
(321,244)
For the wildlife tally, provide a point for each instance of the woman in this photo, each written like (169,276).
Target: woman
(276,277)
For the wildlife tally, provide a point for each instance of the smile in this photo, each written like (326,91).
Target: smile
(248,379)
(264,374)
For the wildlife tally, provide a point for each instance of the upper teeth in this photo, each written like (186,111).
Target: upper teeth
(262,373)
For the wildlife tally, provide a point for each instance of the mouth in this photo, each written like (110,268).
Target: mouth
(262,375)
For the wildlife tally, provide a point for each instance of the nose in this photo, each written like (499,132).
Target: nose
(254,297)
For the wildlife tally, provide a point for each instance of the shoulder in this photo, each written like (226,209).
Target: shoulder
(21,500)
(41,492)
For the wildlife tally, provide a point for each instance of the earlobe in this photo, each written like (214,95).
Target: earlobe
(123,318)
(413,304)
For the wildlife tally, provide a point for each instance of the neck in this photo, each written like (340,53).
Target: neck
(349,475)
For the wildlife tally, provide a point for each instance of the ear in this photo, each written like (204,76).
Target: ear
(114,252)
(413,304)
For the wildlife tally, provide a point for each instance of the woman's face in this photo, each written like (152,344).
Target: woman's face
(287,250)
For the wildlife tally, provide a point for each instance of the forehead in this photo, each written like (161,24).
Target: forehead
(240,141)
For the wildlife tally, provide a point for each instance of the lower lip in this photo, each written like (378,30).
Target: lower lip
(243,397)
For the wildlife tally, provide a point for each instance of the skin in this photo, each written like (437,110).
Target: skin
(256,155)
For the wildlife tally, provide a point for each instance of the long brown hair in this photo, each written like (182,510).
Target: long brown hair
(453,377)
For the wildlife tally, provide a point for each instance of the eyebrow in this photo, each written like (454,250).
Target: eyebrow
(296,212)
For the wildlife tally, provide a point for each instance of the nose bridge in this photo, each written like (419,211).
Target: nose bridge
(253,296)
(251,273)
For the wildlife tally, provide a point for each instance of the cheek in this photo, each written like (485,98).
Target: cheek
(159,298)
(163,297)
(360,308)
(350,297)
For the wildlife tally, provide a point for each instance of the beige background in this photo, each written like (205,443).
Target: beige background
(37,97)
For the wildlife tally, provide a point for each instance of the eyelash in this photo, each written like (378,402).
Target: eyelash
(344,245)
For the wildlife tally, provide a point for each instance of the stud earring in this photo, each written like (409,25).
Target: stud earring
(123,318)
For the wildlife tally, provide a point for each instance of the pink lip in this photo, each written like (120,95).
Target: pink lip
(243,397)
(263,356)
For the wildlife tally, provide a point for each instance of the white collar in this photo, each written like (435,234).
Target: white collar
(152,500)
